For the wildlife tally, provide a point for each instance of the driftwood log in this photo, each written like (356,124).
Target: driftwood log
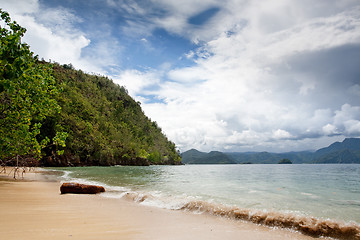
(80,188)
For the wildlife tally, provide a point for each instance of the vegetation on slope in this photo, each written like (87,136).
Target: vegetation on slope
(44,106)
(105,125)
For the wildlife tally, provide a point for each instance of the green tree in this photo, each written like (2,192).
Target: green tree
(27,97)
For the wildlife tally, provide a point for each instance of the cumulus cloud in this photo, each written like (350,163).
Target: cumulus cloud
(330,129)
(136,82)
(44,41)
(347,119)
(281,80)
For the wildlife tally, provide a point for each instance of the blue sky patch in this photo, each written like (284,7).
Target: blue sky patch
(203,17)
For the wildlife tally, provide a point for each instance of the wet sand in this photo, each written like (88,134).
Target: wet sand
(33,208)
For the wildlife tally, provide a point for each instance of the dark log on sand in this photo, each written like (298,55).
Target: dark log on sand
(80,188)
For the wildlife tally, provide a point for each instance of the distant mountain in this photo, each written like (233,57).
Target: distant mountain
(347,151)
(194,156)
(347,144)
(340,156)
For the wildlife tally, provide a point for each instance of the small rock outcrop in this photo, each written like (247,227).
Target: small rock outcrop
(80,188)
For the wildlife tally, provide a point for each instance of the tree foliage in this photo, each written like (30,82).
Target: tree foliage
(27,96)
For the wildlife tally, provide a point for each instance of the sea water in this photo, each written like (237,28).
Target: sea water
(266,194)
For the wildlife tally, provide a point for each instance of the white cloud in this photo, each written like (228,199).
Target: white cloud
(347,119)
(281,134)
(312,35)
(50,45)
(187,75)
(136,82)
(329,129)
(19,6)
(352,127)
(346,113)
(235,83)
(51,33)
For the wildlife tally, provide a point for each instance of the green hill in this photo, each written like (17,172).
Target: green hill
(347,151)
(105,125)
(64,117)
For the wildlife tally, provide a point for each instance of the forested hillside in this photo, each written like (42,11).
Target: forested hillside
(105,125)
(64,117)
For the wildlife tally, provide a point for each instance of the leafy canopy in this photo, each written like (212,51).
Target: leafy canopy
(27,95)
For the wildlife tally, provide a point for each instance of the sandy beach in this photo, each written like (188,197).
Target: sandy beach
(33,208)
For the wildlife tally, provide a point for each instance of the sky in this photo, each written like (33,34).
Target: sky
(226,75)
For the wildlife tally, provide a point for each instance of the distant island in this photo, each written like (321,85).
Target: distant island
(347,151)
(285,161)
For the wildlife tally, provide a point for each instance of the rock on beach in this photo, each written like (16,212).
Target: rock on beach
(80,188)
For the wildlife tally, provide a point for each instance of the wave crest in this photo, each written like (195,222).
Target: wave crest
(306,225)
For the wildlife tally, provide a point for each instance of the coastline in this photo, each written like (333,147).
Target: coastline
(33,208)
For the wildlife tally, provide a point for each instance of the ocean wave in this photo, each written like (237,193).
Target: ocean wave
(304,224)
(66,175)
(308,225)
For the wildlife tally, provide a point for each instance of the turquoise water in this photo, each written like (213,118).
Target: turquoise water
(321,191)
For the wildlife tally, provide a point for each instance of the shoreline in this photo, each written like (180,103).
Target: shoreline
(33,208)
